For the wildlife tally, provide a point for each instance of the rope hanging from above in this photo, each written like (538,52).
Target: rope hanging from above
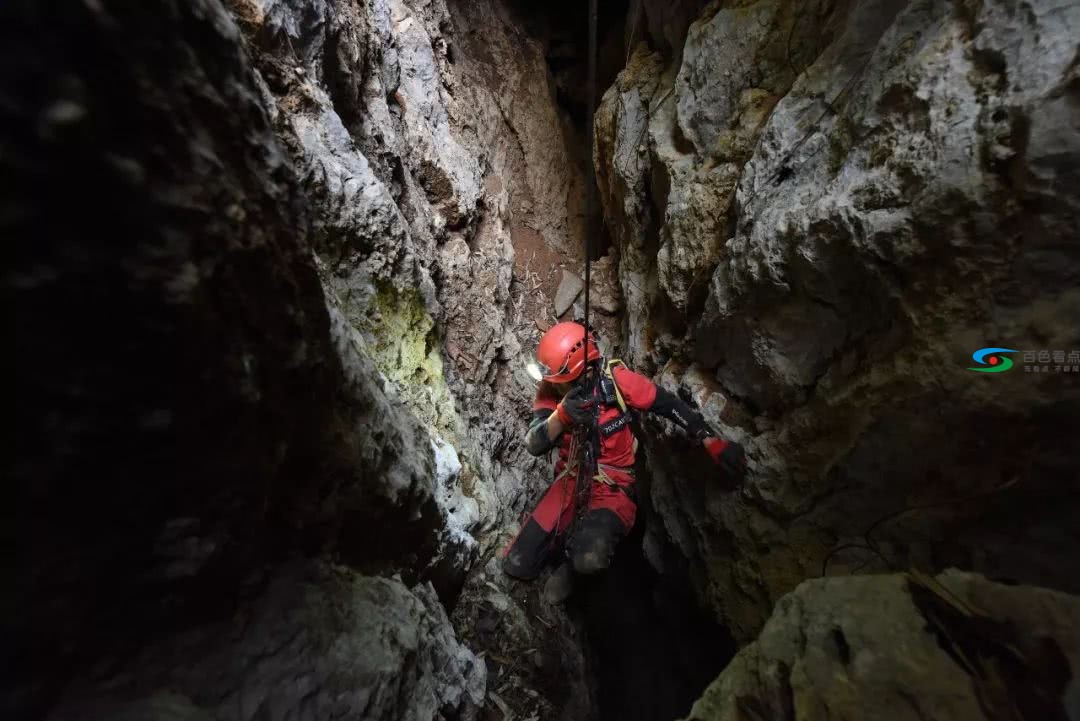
(590,448)
(590,178)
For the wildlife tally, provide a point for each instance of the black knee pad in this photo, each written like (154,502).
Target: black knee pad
(529,552)
(595,538)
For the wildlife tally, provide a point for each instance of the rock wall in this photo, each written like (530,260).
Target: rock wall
(270,304)
(322,642)
(445,182)
(821,211)
(445,185)
(897,647)
(276,266)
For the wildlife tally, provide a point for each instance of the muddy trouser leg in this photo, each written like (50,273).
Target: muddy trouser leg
(610,516)
(542,532)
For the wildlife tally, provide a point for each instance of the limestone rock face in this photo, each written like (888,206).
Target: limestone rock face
(569,288)
(672,136)
(277,266)
(889,647)
(430,145)
(821,211)
(302,332)
(322,641)
(214,412)
(735,66)
(662,24)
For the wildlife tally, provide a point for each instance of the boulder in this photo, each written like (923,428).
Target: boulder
(321,641)
(837,204)
(570,286)
(906,648)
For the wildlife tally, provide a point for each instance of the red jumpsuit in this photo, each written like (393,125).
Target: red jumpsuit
(611,508)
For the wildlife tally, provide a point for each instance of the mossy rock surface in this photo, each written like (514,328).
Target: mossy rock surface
(405,346)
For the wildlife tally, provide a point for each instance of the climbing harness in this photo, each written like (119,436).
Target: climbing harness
(609,395)
(612,396)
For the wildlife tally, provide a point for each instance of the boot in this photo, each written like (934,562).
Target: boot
(560,584)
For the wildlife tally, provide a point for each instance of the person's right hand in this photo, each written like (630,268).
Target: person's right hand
(575,408)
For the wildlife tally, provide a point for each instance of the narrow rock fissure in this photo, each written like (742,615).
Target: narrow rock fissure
(279,270)
(651,650)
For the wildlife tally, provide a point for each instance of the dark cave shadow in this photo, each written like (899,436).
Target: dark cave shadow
(651,650)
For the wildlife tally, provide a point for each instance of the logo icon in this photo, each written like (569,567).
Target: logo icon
(992,362)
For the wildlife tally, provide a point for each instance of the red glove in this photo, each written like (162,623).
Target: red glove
(729,455)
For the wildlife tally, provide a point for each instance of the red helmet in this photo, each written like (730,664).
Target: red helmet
(561,353)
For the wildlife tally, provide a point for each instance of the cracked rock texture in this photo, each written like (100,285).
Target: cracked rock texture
(437,162)
(322,642)
(445,187)
(892,647)
(821,211)
(276,265)
(270,305)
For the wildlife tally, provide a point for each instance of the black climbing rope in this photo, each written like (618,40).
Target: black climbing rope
(590,447)
(590,180)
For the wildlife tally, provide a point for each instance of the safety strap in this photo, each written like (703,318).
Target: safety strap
(623,419)
(611,376)
(604,468)
(572,462)
(627,490)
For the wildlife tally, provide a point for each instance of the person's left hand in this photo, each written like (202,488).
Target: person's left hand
(729,455)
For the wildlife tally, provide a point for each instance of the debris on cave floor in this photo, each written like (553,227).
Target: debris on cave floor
(630,644)
(532,649)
